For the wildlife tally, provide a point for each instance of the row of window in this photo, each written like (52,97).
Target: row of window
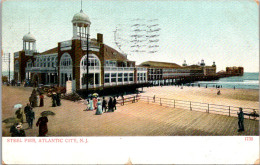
(118,77)
(110,63)
(44,62)
(176,70)
(141,76)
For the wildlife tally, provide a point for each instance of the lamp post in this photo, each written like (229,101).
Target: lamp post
(87,57)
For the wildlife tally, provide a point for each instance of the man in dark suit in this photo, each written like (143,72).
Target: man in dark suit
(104,105)
(27,109)
(31,117)
(240,120)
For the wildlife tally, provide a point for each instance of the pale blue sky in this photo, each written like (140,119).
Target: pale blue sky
(223,31)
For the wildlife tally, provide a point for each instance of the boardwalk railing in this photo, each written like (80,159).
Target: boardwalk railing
(202,107)
(128,99)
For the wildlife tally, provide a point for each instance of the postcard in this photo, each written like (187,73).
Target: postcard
(130,82)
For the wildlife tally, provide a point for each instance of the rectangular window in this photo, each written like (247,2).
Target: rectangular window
(107,77)
(131,77)
(107,80)
(125,76)
(113,77)
(120,77)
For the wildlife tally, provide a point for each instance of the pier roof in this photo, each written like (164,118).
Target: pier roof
(160,64)
(112,54)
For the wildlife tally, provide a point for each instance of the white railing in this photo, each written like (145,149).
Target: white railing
(90,67)
(39,68)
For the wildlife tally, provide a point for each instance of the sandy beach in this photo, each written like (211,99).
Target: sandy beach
(248,98)
(137,119)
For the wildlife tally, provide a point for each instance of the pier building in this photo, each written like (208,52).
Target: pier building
(83,60)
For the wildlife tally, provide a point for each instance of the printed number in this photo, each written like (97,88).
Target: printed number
(248,138)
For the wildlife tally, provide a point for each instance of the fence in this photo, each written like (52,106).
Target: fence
(202,107)
(128,99)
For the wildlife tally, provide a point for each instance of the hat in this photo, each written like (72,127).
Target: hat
(19,126)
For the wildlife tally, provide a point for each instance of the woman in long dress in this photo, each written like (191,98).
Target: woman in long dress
(95,102)
(54,98)
(41,100)
(91,104)
(110,105)
(42,123)
(99,107)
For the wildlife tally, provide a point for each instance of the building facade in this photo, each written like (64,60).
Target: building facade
(83,60)
(164,73)
(69,61)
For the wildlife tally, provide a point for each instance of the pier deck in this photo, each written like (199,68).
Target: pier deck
(132,119)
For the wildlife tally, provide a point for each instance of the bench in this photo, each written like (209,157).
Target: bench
(255,115)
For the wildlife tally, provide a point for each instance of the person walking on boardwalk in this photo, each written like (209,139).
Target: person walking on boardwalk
(30,117)
(58,98)
(31,100)
(104,105)
(240,120)
(41,100)
(17,130)
(114,103)
(54,98)
(37,100)
(27,109)
(13,129)
(91,107)
(99,107)
(42,123)
(95,102)
(19,114)
(110,105)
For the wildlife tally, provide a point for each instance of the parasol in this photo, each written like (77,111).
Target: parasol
(10,120)
(95,94)
(16,106)
(46,113)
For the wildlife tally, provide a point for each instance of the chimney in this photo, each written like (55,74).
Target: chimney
(99,38)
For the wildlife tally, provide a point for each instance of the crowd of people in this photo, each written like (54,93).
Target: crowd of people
(95,103)
(35,100)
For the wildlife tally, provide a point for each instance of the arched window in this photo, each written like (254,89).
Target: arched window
(65,69)
(93,61)
(94,75)
(66,61)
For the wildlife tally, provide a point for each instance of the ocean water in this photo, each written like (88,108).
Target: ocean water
(247,81)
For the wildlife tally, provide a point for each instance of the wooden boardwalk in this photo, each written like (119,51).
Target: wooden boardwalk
(178,122)
(132,119)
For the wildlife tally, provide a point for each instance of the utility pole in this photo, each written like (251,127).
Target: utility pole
(87,62)
(9,69)
(7,59)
